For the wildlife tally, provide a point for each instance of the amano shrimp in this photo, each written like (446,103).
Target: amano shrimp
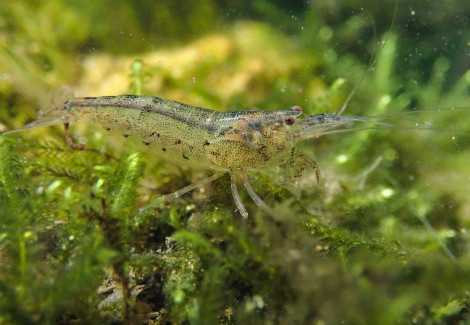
(224,142)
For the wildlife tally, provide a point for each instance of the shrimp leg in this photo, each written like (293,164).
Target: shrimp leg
(298,163)
(259,202)
(68,139)
(236,197)
(180,192)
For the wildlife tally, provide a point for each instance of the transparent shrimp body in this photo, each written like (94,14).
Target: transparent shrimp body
(230,142)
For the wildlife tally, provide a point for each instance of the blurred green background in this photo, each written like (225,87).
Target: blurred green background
(382,239)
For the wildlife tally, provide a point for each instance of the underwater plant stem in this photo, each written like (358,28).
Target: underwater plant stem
(22,255)
(431,230)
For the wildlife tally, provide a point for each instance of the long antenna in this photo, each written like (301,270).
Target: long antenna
(341,109)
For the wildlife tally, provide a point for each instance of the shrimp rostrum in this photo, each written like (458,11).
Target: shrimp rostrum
(225,142)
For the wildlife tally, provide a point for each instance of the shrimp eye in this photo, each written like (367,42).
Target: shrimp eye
(289,120)
(296,109)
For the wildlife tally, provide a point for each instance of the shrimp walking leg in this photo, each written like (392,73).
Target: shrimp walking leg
(236,197)
(259,202)
(180,192)
(298,163)
(191,187)
(68,139)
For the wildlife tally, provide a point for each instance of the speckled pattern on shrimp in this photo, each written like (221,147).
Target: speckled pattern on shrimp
(230,142)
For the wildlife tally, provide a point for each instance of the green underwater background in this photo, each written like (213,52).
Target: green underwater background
(383,239)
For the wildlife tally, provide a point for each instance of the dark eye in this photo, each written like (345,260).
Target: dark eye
(289,120)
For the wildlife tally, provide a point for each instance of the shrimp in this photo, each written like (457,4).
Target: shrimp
(225,142)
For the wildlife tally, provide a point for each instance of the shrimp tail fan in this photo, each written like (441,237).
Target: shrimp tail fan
(56,115)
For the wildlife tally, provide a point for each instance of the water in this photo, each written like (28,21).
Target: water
(369,243)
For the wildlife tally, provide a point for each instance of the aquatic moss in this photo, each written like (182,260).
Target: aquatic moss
(382,240)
